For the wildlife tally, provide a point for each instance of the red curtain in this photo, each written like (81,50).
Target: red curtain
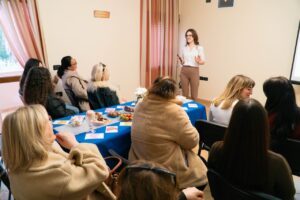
(19,21)
(158,39)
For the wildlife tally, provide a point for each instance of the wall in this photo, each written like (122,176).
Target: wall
(70,29)
(256,38)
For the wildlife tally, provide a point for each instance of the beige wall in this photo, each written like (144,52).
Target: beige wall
(70,29)
(256,38)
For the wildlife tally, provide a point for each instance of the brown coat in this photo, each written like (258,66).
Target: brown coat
(75,176)
(162,132)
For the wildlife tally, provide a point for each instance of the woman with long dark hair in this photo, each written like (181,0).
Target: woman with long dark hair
(31,62)
(38,90)
(243,157)
(284,114)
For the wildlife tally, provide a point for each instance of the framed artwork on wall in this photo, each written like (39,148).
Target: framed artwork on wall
(225,3)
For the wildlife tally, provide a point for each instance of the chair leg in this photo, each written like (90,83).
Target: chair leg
(9,195)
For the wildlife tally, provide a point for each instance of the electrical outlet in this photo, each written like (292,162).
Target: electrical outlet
(203,78)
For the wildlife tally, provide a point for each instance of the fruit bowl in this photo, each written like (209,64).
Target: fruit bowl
(126,116)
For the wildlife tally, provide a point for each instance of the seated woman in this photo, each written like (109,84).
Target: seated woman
(243,157)
(100,93)
(239,87)
(73,84)
(158,183)
(162,132)
(284,114)
(38,90)
(38,167)
(31,62)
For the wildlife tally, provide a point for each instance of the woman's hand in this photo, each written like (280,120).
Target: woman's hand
(199,60)
(66,139)
(193,193)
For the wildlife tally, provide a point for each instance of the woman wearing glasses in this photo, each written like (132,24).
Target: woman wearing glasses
(73,83)
(158,183)
(101,93)
(192,57)
(162,132)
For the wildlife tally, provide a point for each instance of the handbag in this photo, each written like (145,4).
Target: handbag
(114,164)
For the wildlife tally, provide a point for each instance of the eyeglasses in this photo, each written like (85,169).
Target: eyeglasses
(189,35)
(156,170)
(103,65)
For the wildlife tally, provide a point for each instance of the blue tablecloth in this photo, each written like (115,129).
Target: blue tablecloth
(121,141)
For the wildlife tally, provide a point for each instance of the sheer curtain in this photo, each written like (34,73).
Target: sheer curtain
(19,20)
(158,39)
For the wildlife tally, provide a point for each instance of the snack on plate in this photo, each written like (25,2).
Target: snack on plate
(113,114)
(126,116)
(100,122)
(99,117)
(77,120)
(129,109)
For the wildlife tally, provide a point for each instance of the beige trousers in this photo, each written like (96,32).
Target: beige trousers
(189,76)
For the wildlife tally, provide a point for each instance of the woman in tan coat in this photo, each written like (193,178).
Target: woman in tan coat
(73,82)
(39,169)
(162,132)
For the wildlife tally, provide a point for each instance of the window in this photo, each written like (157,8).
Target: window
(9,66)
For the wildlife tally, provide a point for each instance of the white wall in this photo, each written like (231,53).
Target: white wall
(255,38)
(70,29)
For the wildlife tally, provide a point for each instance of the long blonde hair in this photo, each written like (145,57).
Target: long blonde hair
(233,91)
(23,137)
(99,77)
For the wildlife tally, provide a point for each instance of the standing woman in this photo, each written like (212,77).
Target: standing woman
(192,57)
(73,82)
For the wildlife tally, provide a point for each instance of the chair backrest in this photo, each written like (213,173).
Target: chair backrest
(221,189)
(103,97)
(290,150)
(72,97)
(209,132)
(4,176)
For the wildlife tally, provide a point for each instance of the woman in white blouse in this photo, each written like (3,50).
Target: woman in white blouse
(192,57)
(239,87)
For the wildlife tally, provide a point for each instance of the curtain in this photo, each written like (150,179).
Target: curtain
(158,39)
(19,20)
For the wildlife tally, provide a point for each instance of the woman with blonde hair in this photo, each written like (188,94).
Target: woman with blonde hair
(101,93)
(239,87)
(39,169)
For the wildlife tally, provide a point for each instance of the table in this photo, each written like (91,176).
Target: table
(121,141)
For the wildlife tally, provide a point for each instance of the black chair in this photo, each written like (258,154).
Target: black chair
(72,97)
(290,150)
(221,189)
(114,153)
(4,179)
(103,97)
(209,132)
